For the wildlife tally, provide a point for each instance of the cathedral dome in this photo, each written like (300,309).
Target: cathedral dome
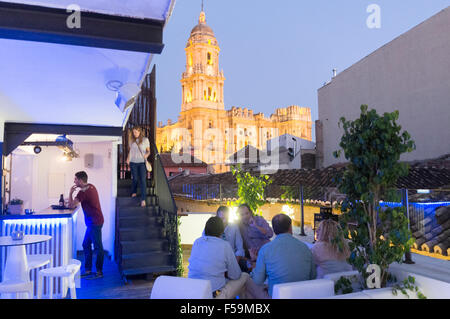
(202,29)
(202,32)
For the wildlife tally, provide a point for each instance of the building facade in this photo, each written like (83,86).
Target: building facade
(410,74)
(205,128)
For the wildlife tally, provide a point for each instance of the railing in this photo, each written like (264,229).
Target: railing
(429,214)
(201,191)
(167,206)
(144,115)
(430,227)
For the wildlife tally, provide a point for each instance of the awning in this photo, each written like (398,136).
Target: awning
(143,9)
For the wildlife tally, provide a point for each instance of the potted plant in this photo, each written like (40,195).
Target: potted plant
(16,206)
(373,145)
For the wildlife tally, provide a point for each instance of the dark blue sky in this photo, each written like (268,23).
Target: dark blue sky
(278,53)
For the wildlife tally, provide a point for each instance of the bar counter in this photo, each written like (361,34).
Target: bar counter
(45,213)
(61,224)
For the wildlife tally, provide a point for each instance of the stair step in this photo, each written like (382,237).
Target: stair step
(133,234)
(126,201)
(127,184)
(126,191)
(141,246)
(138,211)
(139,221)
(149,259)
(149,270)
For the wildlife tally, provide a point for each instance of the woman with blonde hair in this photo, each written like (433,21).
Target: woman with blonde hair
(139,150)
(327,255)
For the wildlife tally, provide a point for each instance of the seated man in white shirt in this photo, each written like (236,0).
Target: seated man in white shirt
(212,258)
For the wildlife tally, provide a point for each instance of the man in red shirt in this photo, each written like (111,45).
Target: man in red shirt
(93,217)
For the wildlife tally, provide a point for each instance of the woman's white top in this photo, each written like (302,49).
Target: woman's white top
(135,155)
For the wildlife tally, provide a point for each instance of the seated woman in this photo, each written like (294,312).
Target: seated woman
(326,254)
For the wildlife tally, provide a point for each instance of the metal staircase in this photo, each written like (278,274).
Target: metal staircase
(141,240)
(146,238)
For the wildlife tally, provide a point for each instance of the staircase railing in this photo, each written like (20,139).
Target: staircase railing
(144,115)
(167,206)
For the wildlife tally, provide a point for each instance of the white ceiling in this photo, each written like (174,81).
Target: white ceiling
(64,84)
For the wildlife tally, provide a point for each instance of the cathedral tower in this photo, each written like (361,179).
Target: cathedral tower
(202,82)
(212,132)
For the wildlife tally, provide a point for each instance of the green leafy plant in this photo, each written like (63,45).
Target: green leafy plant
(180,269)
(289,194)
(16,201)
(250,188)
(373,145)
(343,286)
(408,284)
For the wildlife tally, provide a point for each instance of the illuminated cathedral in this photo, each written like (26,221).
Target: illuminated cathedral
(205,128)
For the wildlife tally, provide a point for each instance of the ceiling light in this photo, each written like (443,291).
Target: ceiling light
(37,149)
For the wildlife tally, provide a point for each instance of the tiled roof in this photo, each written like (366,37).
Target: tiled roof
(314,180)
(248,154)
(440,162)
(166,159)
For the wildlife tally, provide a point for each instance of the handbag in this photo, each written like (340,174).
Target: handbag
(148,166)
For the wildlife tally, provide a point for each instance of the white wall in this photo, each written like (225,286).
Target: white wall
(410,74)
(38,167)
(192,226)
(22,182)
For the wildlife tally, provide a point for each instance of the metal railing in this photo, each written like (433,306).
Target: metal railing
(167,205)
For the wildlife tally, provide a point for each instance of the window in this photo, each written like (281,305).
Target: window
(189,96)
(209,58)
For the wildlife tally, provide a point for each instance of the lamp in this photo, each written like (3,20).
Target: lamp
(37,149)
(67,157)
(126,96)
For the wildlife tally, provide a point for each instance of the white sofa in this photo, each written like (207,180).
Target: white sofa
(308,289)
(324,288)
(170,287)
(431,288)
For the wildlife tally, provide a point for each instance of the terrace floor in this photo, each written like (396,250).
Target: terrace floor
(111,285)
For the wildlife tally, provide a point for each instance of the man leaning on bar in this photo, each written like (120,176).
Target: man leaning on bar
(88,198)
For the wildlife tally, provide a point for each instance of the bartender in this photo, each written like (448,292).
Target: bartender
(88,198)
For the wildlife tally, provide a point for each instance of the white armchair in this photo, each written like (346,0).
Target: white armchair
(308,289)
(170,287)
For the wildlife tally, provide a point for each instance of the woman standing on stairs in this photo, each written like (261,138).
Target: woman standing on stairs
(137,158)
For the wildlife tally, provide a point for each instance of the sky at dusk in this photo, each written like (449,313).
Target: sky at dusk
(278,53)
